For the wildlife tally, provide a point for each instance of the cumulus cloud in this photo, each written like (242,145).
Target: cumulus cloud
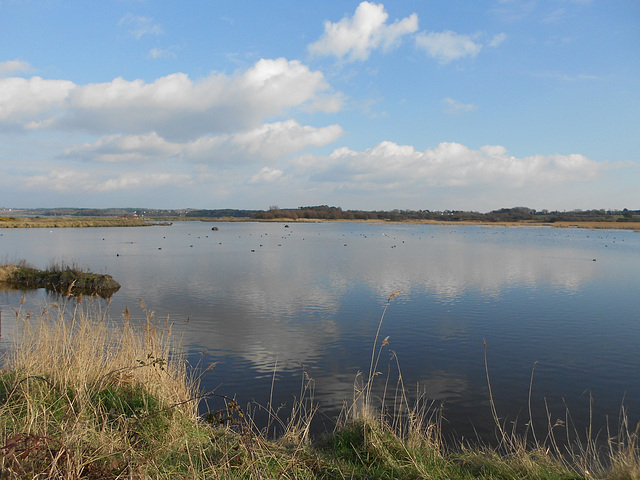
(389,165)
(327,103)
(23,101)
(275,140)
(170,52)
(267,143)
(135,180)
(448,46)
(11,67)
(125,148)
(266,175)
(59,180)
(68,180)
(174,106)
(356,37)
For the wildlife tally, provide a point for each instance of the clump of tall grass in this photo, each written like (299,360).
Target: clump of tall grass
(61,266)
(83,398)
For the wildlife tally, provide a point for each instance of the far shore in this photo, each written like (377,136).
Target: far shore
(591,225)
(81,222)
(588,225)
(76,222)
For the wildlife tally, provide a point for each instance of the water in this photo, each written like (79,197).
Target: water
(261,297)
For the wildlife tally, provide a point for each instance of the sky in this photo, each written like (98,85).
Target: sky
(413,104)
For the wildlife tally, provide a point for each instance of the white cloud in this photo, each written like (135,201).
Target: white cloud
(454,107)
(125,148)
(174,106)
(67,180)
(170,52)
(136,180)
(267,143)
(24,100)
(266,175)
(139,26)
(327,103)
(389,165)
(275,140)
(448,46)
(59,180)
(355,38)
(11,67)
(497,39)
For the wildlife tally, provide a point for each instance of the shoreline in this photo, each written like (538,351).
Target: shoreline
(76,222)
(591,225)
(88,222)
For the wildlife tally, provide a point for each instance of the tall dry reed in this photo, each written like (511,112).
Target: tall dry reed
(81,396)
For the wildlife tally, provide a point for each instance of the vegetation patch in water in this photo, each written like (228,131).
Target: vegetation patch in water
(60,278)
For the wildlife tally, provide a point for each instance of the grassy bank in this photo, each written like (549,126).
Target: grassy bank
(73,222)
(79,222)
(84,397)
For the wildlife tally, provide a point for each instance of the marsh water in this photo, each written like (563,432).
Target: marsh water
(271,302)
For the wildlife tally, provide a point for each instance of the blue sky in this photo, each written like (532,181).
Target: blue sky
(470,105)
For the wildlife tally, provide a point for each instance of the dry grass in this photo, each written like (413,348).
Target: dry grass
(76,348)
(81,397)
(6,272)
(62,222)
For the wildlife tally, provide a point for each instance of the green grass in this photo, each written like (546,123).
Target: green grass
(86,397)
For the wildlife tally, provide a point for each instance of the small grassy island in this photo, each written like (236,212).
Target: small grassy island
(59,278)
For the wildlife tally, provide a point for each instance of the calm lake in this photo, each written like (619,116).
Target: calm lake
(262,297)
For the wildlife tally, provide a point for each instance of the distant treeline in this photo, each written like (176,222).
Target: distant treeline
(516,214)
(325,212)
(222,213)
